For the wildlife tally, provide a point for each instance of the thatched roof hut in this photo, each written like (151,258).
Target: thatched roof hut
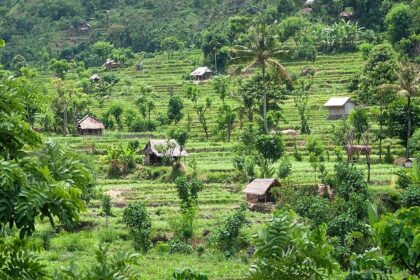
(110,64)
(339,107)
(258,191)
(405,162)
(347,14)
(90,126)
(156,150)
(95,78)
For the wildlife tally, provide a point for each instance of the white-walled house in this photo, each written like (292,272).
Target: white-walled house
(339,107)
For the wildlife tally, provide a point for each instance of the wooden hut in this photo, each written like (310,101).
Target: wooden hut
(201,74)
(339,107)
(85,27)
(404,162)
(90,126)
(308,7)
(156,150)
(95,78)
(110,64)
(258,191)
(347,14)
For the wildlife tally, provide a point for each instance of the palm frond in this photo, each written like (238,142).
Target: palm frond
(279,70)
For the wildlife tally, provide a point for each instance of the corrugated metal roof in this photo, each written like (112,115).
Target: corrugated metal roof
(260,186)
(166,149)
(200,71)
(337,101)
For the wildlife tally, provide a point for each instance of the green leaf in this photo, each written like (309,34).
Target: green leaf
(372,212)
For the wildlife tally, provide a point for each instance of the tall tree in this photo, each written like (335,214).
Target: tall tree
(226,121)
(384,97)
(359,119)
(270,149)
(175,107)
(301,102)
(407,85)
(200,108)
(221,86)
(262,51)
(379,69)
(398,22)
(171,44)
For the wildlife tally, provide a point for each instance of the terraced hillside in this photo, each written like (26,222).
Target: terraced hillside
(333,73)
(214,163)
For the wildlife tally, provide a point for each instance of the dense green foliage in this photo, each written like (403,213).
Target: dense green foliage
(287,249)
(398,235)
(138,221)
(226,237)
(274,65)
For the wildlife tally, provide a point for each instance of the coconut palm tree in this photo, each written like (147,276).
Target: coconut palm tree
(407,85)
(262,51)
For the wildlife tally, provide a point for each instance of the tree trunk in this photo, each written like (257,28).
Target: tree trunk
(215,61)
(264,102)
(407,148)
(380,142)
(368,167)
(65,129)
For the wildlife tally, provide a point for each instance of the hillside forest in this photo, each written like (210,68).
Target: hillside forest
(218,139)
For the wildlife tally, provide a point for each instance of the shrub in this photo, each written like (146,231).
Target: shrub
(177,246)
(46,237)
(162,247)
(138,221)
(188,274)
(348,180)
(288,249)
(388,155)
(366,48)
(116,266)
(106,205)
(19,261)
(188,193)
(72,242)
(108,235)
(305,51)
(141,125)
(175,107)
(411,197)
(315,208)
(398,235)
(121,160)
(227,235)
(285,169)
(369,265)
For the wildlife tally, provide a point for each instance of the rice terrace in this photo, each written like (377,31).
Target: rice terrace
(214,139)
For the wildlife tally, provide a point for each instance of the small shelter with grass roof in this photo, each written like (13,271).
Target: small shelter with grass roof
(90,126)
(259,190)
(339,107)
(308,7)
(404,162)
(95,78)
(156,151)
(201,73)
(110,64)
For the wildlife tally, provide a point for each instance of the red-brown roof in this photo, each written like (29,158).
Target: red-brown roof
(90,122)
